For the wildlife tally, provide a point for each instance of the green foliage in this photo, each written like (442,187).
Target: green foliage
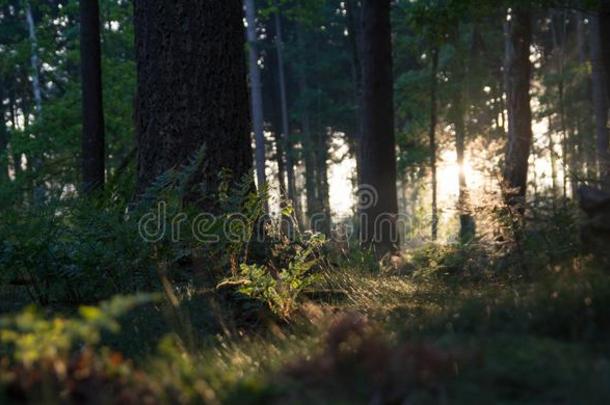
(281,289)
(30,337)
(74,251)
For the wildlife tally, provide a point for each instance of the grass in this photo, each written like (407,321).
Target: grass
(425,333)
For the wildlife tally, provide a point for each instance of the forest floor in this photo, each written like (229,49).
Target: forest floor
(428,332)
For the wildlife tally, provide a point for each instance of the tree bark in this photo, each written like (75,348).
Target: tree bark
(602,141)
(256,95)
(192,93)
(4,177)
(322,187)
(16,157)
(92,141)
(518,70)
(559,36)
(600,96)
(378,147)
(287,141)
(309,152)
(467,225)
(34,59)
(353,14)
(432,141)
(553,163)
(586,124)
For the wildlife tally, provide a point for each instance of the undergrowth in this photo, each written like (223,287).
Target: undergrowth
(267,318)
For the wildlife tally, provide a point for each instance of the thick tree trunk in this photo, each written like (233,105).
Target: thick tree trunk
(192,93)
(256,95)
(518,70)
(377,149)
(92,141)
(602,142)
(432,141)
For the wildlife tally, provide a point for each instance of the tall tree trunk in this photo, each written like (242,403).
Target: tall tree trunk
(518,69)
(279,157)
(256,95)
(600,96)
(553,163)
(92,141)
(353,14)
(313,210)
(586,125)
(602,142)
(322,187)
(287,141)
(559,37)
(271,91)
(309,148)
(34,59)
(466,221)
(184,105)
(16,157)
(432,140)
(4,177)
(378,147)
(38,194)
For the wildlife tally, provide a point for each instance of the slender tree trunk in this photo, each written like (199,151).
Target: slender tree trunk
(184,105)
(92,141)
(313,209)
(271,89)
(256,95)
(466,221)
(559,36)
(38,194)
(518,71)
(378,147)
(553,164)
(586,128)
(502,103)
(4,177)
(322,187)
(279,158)
(34,59)
(461,104)
(16,157)
(602,142)
(287,141)
(353,14)
(432,141)
(600,97)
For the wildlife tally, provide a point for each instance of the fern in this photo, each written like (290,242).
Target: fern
(187,172)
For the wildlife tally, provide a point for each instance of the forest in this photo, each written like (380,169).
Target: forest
(304,201)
